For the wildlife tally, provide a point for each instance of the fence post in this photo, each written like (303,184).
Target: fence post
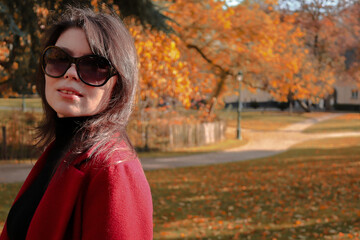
(189,135)
(23,108)
(171,136)
(4,155)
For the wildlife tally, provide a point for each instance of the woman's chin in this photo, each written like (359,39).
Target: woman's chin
(62,114)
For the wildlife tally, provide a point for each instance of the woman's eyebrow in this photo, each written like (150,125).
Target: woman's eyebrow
(71,53)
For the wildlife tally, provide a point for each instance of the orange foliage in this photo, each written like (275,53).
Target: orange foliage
(162,72)
(213,41)
(261,42)
(4,51)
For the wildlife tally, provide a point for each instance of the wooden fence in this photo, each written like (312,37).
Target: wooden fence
(17,143)
(196,135)
(164,136)
(16,136)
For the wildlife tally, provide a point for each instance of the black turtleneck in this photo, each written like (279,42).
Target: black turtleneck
(22,211)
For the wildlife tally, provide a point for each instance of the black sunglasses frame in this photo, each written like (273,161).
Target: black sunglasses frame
(76,61)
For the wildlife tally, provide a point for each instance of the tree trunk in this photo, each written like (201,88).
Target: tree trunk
(304,106)
(290,101)
(219,87)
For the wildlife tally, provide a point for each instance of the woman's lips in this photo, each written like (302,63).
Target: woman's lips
(67,92)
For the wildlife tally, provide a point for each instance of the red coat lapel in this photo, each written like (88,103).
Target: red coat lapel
(34,172)
(56,207)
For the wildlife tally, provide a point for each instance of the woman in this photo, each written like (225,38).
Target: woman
(88,183)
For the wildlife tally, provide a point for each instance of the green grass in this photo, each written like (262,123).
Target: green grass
(17,102)
(304,193)
(7,195)
(310,192)
(18,161)
(216,147)
(346,123)
(9,115)
(265,121)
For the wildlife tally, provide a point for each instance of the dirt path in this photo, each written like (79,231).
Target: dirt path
(282,139)
(261,144)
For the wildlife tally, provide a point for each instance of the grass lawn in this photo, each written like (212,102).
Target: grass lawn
(265,121)
(309,192)
(10,115)
(345,123)
(226,144)
(17,102)
(7,196)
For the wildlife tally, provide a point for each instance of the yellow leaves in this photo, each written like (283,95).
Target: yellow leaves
(271,2)
(42,12)
(298,223)
(174,52)
(6,93)
(15,66)
(148,44)
(4,51)
(95,4)
(227,25)
(293,65)
(162,73)
(262,40)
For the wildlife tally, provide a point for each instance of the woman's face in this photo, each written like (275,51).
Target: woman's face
(68,95)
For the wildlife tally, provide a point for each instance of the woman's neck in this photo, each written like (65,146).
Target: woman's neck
(66,128)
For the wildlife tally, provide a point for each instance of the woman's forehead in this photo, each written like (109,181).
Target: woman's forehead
(74,42)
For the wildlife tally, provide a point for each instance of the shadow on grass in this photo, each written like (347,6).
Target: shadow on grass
(19,152)
(319,129)
(7,196)
(303,192)
(334,229)
(157,153)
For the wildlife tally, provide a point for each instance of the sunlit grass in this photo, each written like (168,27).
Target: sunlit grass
(267,120)
(344,123)
(215,147)
(19,161)
(7,195)
(17,102)
(309,192)
(8,115)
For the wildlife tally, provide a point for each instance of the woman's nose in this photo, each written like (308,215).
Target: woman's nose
(71,73)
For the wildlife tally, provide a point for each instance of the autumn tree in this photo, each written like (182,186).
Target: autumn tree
(348,20)
(253,37)
(162,74)
(324,36)
(22,23)
(18,37)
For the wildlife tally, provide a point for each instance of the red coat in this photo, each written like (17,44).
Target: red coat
(93,201)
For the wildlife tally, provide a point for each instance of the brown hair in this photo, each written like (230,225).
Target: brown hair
(108,37)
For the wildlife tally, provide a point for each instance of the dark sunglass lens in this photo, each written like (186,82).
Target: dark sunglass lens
(94,70)
(56,62)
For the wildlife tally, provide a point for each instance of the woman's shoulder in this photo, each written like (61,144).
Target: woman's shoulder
(112,158)
(118,170)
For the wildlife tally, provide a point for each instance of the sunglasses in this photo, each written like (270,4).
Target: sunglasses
(92,70)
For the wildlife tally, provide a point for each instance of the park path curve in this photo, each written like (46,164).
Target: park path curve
(261,144)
